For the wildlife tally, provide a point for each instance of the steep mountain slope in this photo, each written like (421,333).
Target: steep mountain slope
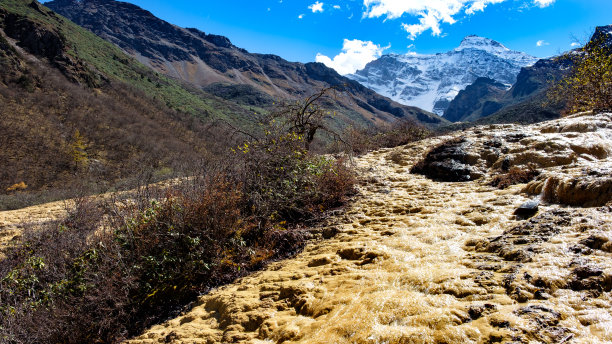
(525,102)
(76,110)
(215,64)
(432,81)
(475,101)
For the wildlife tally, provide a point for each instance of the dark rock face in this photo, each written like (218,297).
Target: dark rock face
(603,34)
(591,278)
(449,162)
(517,244)
(207,59)
(473,102)
(526,102)
(46,43)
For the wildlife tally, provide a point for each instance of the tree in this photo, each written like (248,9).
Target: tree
(78,146)
(305,117)
(588,87)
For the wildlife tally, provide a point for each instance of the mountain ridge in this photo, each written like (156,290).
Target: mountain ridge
(527,101)
(212,61)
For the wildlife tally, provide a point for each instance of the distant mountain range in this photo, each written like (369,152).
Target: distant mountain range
(214,64)
(431,82)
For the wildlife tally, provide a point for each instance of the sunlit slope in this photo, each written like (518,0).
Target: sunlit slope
(85,57)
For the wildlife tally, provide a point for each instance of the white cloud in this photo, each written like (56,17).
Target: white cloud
(543,3)
(430,13)
(316,7)
(575,44)
(480,5)
(336,7)
(300,16)
(354,56)
(541,43)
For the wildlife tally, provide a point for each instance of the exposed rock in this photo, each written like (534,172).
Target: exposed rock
(475,101)
(448,162)
(590,278)
(527,209)
(478,311)
(596,241)
(516,244)
(49,43)
(583,191)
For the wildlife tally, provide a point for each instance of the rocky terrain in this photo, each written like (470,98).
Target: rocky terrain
(440,257)
(432,81)
(415,260)
(213,63)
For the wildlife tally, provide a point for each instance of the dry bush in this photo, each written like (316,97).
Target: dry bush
(396,134)
(515,175)
(121,131)
(108,271)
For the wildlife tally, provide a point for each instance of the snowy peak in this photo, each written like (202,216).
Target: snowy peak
(481,43)
(431,82)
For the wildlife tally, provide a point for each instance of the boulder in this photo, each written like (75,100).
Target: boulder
(448,162)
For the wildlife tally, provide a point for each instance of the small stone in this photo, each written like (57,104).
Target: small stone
(527,209)
(541,295)
(595,241)
(587,271)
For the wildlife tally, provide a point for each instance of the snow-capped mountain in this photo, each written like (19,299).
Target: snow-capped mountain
(432,81)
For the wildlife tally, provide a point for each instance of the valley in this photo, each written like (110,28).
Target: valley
(162,184)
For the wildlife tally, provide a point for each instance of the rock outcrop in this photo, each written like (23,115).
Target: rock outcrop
(475,101)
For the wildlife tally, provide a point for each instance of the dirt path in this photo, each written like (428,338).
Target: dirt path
(418,261)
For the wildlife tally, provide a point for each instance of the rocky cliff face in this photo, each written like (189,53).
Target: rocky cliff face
(475,101)
(212,61)
(432,81)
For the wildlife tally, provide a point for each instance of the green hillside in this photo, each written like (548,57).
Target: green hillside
(78,115)
(104,60)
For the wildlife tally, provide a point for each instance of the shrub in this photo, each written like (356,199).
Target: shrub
(109,270)
(588,87)
(397,134)
(514,176)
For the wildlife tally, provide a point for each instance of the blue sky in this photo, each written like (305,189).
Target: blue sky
(299,30)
